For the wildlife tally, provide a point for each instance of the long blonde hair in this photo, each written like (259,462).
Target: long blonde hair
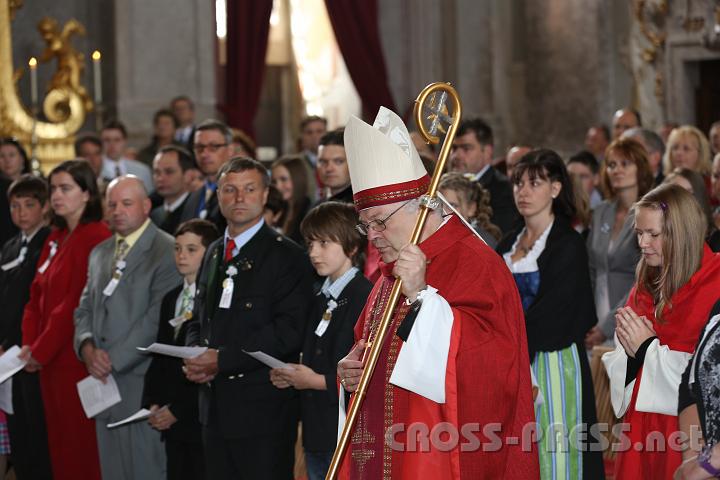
(684,227)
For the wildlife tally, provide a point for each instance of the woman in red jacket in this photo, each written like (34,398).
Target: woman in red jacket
(677,284)
(48,320)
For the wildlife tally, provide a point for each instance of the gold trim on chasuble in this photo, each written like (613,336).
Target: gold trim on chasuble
(362,435)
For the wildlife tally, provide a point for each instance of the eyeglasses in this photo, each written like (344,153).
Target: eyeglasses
(212,147)
(377,225)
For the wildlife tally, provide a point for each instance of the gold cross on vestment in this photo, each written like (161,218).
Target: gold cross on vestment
(361,436)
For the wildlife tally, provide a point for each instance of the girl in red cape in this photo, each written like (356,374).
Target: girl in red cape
(677,283)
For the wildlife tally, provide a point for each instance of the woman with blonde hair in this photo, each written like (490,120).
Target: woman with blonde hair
(625,176)
(677,284)
(473,202)
(688,147)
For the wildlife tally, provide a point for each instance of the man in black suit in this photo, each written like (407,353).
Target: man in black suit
(254,292)
(28,198)
(332,167)
(212,149)
(184,110)
(472,153)
(171,177)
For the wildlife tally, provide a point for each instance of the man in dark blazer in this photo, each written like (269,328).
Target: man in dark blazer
(171,177)
(28,198)
(254,292)
(472,153)
(212,149)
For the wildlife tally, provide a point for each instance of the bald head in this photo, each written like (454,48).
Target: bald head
(625,119)
(128,204)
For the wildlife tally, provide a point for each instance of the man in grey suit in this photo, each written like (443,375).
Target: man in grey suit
(128,275)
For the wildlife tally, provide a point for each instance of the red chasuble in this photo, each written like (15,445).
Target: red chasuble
(487,384)
(679,331)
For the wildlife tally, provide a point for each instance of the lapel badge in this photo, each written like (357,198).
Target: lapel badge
(246,265)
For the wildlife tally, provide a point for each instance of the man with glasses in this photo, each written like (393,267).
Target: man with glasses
(212,150)
(456,358)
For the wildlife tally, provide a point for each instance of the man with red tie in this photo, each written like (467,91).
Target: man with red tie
(253,294)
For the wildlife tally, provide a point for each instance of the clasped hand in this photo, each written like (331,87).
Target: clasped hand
(202,368)
(632,330)
(410,268)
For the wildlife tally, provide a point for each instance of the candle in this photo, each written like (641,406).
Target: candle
(33,81)
(97,77)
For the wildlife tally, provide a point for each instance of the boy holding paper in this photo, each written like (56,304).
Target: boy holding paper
(334,246)
(172,399)
(28,197)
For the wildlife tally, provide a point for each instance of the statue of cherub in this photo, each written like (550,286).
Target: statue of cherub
(70,62)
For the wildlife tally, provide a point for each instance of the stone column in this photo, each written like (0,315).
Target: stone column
(164,48)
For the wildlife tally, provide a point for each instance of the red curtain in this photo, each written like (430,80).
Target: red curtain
(248,25)
(355,23)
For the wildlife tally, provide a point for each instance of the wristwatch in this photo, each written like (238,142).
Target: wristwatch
(704,461)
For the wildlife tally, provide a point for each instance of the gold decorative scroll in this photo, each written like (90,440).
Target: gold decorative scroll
(66,102)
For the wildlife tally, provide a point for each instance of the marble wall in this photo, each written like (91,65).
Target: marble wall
(539,71)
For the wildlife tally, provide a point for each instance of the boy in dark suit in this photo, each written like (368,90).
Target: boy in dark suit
(334,246)
(167,393)
(28,197)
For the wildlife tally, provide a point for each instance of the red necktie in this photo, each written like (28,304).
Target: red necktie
(229,250)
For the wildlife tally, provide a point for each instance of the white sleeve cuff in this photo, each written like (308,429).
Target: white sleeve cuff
(342,412)
(422,361)
(616,366)
(660,381)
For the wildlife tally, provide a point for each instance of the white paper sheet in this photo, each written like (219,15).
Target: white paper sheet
(96,396)
(173,350)
(6,403)
(268,360)
(10,364)
(141,414)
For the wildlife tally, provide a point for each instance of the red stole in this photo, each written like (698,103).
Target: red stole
(679,330)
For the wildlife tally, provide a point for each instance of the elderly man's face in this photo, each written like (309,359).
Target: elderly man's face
(398,228)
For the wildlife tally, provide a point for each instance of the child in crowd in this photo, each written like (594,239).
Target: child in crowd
(28,198)
(334,246)
(172,399)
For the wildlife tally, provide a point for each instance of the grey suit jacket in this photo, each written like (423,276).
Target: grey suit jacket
(612,269)
(129,318)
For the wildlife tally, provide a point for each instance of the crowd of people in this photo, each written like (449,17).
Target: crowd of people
(531,261)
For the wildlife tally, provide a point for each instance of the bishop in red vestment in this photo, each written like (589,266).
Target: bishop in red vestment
(451,395)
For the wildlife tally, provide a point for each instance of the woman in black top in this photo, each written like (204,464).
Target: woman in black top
(549,262)
(334,246)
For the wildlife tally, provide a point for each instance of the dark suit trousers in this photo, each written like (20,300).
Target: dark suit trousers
(28,435)
(258,458)
(185,460)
